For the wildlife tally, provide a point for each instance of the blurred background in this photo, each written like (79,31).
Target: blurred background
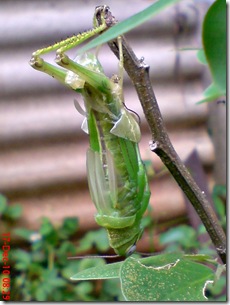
(42,147)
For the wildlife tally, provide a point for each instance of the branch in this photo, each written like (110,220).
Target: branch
(138,71)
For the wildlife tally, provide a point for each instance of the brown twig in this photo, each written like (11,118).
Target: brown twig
(138,71)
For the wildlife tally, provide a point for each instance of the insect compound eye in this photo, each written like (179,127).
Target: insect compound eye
(106,9)
(131,250)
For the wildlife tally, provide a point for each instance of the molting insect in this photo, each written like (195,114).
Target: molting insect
(116,175)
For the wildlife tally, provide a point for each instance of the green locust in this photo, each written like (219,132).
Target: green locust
(116,175)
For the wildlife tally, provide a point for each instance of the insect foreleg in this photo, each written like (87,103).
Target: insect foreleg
(47,68)
(95,79)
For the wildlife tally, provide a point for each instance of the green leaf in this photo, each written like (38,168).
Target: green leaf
(98,239)
(109,271)
(219,199)
(214,42)
(181,280)
(13,211)
(167,277)
(211,93)
(219,285)
(201,258)
(67,248)
(220,207)
(40,294)
(48,232)
(219,190)
(35,270)
(69,227)
(3,204)
(53,279)
(23,259)
(39,245)
(70,268)
(91,262)
(183,235)
(83,290)
(129,24)
(25,233)
(46,227)
(49,282)
(201,56)
(201,229)
(113,288)
(101,241)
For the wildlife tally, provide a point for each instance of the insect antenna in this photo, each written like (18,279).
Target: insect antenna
(92,256)
(149,253)
(136,115)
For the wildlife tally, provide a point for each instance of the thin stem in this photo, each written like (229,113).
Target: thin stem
(138,71)
(50,257)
